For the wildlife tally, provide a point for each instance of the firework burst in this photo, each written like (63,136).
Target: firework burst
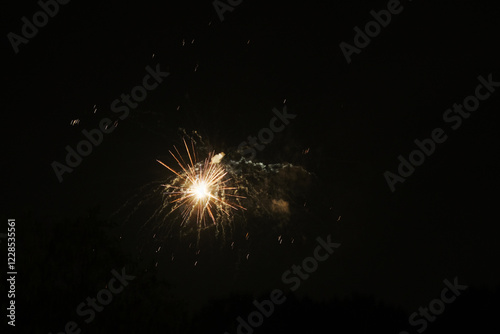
(200,189)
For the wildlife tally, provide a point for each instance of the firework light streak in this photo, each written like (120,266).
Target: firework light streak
(200,188)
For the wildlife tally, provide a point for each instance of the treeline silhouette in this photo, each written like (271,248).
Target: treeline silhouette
(62,262)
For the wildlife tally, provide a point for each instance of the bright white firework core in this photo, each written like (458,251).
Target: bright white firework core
(200,190)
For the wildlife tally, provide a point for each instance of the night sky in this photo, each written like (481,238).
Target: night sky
(414,101)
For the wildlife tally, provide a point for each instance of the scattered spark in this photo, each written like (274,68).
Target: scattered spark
(183,42)
(196,262)
(74,122)
(248,42)
(248,255)
(116,124)
(247,236)
(284,101)
(196,68)
(153,55)
(178,107)
(192,42)
(339,218)
(158,249)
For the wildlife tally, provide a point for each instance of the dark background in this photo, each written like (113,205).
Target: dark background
(354,120)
